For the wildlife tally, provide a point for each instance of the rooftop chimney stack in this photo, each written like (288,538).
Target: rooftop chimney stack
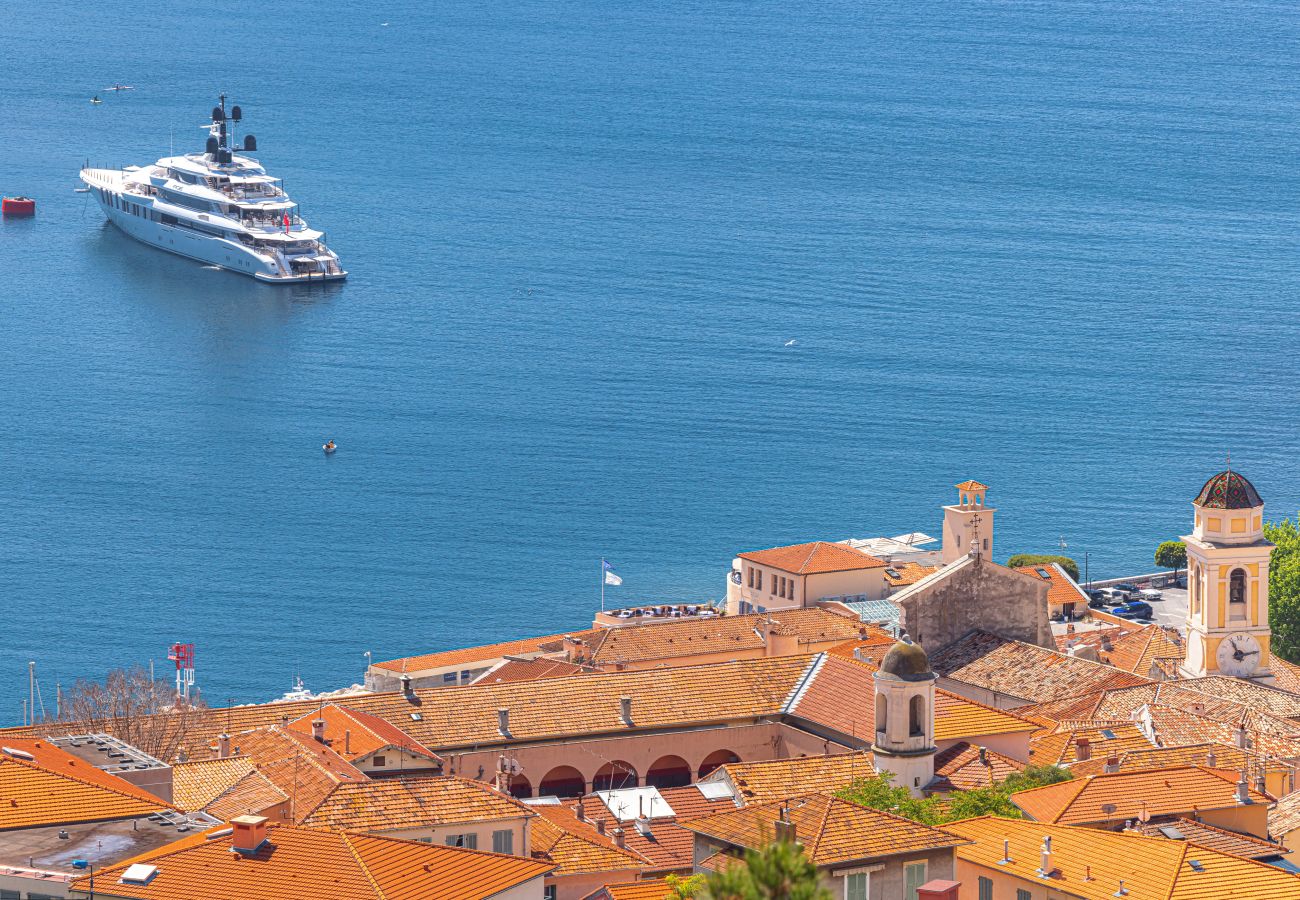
(248,833)
(984,756)
(1006,852)
(1240,736)
(1112,764)
(406,684)
(503,721)
(223,745)
(318,729)
(1045,863)
(620,841)
(625,709)
(600,825)
(1261,784)
(785,830)
(1105,642)
(1083,749)
(1210,758)
(1243,790)
(580,812)
(347,740)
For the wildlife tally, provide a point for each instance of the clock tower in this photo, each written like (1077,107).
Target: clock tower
(1227,582)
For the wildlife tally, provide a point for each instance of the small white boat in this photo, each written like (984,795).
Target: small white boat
(329,447)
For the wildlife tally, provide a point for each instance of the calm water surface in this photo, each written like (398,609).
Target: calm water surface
(1048,245)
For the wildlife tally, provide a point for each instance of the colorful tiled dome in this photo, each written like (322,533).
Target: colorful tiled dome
(1229,490)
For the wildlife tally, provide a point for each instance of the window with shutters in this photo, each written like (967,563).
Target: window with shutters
(857,886)
(913,878)
(503,841)
(985,888)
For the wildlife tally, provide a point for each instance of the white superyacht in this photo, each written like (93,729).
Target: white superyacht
(218,207)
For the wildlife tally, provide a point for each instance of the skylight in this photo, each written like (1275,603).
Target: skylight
(139,873)
(1196,865)
(1172,833)
(1043,573)
(1108,734)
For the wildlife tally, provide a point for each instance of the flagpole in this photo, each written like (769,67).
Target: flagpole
(602,584)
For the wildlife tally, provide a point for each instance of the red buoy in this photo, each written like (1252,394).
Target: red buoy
(18,206)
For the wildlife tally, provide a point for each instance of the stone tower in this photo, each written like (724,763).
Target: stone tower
(968,524)
(904,744)
(1227,581)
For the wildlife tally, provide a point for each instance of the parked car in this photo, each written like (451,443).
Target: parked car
(1114,596)
(1096,598)
(1129,589)
(1137,609)
(1150,594)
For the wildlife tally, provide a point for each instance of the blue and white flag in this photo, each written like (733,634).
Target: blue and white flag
(610,577)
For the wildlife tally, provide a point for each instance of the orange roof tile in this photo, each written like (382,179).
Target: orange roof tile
(908,573)
(312,862)
(388,804)
(1137,651)
(576,847)
(780,779)
(831,830)
(55,788)
(721,635)
(1286,675)
(1061,748)
(529,670)
(305,770)
(1230,842)
(468,655)
(1125,795)
(1211,755)
(1022,670)
(253,794)
(1089,863)
(1061,588)
(653,889)
(963,767)
(1284,817)
(354,734)
(198,782)
(816,558)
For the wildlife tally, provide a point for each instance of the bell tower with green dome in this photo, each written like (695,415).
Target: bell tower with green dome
(904,744)
(1227,582)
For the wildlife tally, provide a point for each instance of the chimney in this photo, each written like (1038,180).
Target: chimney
(643,827)
(248,833)
(1083,749)
(347,740)
(1105,642)
(619,840)
(1240,736)
(318,729)
(625,709)
(785,830)
(984,756)
(939,889)
(1006,852)
(600,825)
(503,721)
(1045,862)
(1123,891)
(1112,765)
(223,745)
(1210,758)
(580,812)
(1243,790)
(406,684)
(1261,784)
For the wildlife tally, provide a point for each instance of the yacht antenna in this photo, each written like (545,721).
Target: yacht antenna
(223,121)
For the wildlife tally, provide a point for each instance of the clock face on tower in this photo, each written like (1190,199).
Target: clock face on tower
(1238,655)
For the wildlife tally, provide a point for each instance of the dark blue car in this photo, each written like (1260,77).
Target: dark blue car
(1137,609)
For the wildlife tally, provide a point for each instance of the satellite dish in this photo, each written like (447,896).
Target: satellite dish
(236,113)
(217,114)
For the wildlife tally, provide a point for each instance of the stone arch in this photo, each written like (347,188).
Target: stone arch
(717,759)
(614,775)
(1195,586)
(916,716)
(882,712)
(520,786)
(1237,594)
(563,781)
(668,772)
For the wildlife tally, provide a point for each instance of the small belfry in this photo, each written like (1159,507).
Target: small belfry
(1227,581)
(967,524)
(904,688)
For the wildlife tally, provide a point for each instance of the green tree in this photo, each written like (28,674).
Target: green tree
(1042,559)
(879,793)
(680,888)
(780,871)
(1034,776)
(1171,555)
(1284,588)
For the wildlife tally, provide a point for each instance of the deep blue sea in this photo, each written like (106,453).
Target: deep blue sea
(1054,246)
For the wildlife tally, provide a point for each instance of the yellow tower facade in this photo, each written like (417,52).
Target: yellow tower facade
(1227,581)
(967,524)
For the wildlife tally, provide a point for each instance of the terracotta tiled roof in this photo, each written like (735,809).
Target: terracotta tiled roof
(305,770)
(354,734)
(780,779)
(577,847)
(327,865)
(816,558)
(962,768)
(1230,842)
(957,718)
(1125,795)
(470,655)
(529,670)
(971,485)
(1061,588)
(53,791)
(251,795)
(1286,675)
(721,635)
(689,803)
(1089,863)
(653,889)
(1224,757)
(1138,650)
(831,830)
(388,804)
(197,783)
(1022,670)
(1072,708)
(908,573)
(1248,693)
(720,861)
(1284,817)
(1266,734)
(1061,748)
